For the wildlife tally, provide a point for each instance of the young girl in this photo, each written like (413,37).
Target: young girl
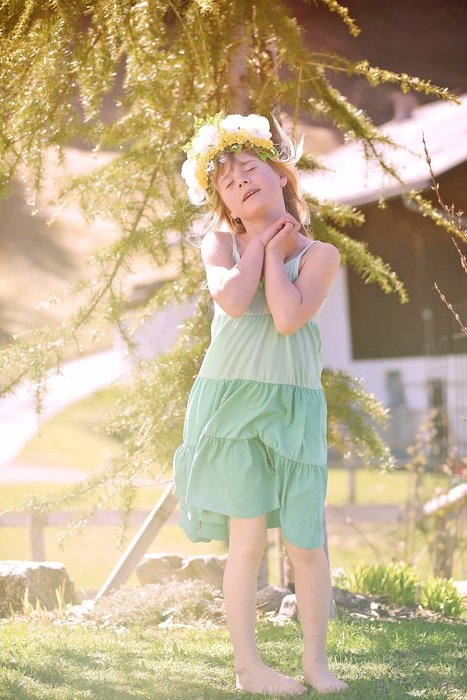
(254,449)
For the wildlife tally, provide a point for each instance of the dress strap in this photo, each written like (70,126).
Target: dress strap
(298,257)
(235,253)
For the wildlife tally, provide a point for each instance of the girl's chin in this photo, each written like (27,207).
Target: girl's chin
(252,208)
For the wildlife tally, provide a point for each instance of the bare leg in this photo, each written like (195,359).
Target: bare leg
(246,547)
(313,590)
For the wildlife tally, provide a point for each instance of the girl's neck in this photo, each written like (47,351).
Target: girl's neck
(256,226)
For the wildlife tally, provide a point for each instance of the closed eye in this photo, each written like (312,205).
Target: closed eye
(247,171)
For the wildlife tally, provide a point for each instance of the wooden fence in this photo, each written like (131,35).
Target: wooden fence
(166,511)
(37,522)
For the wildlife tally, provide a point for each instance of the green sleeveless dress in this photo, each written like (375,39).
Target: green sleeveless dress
(254,436)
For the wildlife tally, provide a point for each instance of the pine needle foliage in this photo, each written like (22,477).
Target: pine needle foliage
(160,63)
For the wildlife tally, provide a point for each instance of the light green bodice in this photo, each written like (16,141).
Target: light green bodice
(249,347)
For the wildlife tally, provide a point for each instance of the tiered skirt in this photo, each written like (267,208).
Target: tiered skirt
(253,448)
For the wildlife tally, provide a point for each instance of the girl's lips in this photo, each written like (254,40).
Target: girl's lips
(249,194)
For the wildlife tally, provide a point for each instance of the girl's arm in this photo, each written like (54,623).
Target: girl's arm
(293,304)
(232,286)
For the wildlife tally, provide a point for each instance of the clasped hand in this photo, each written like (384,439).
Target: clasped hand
(282,237)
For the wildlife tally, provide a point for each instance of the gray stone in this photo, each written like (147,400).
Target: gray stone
(158,568)
(352,601)
(204,568)
(42,579)
(269,598)
(289,606)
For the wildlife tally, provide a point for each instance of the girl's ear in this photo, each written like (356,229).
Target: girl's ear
(283,181)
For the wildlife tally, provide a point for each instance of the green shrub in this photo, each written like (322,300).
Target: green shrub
(396,581)
(400,584)
(440,595)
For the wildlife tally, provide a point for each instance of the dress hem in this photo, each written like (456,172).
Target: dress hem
(271,524)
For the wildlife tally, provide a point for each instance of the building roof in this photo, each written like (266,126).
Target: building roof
(352,179)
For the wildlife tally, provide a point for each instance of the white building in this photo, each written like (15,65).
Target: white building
(410,359)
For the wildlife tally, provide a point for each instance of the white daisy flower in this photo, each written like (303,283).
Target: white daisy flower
(257,126)
(189,172)
(197,195)
(205,139)
(234,122)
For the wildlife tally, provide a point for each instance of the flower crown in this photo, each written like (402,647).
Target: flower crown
(216,135)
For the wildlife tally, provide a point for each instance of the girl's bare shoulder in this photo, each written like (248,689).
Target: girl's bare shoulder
(216,248)
(322,249)
(321,252)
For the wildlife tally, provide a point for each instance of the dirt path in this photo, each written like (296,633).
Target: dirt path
(37,473)
(18,421)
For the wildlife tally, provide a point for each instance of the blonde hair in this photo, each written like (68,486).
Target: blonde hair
(284,165)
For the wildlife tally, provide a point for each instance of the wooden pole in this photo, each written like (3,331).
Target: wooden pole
(141,541)
(443,508)
(443,548)
(36,535)
(279,558)
(263,573)
(351,473)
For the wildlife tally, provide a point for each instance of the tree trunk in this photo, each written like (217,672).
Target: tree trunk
(239,97)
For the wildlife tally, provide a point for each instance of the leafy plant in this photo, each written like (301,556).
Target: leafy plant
(399,583)
(440,595)
(60,595)
(396,580)
(27,605)
(29,609)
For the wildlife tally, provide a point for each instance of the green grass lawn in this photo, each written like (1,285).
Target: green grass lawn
(69,441)
(42,660)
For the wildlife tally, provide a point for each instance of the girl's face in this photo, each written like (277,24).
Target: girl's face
(249,186)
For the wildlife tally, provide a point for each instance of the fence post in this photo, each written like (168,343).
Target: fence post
(442,546)
(351,482)
(141,541)
(36,534)
(263,573)
(279,560)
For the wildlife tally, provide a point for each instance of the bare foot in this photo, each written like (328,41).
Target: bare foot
(320,677)
(259,678)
